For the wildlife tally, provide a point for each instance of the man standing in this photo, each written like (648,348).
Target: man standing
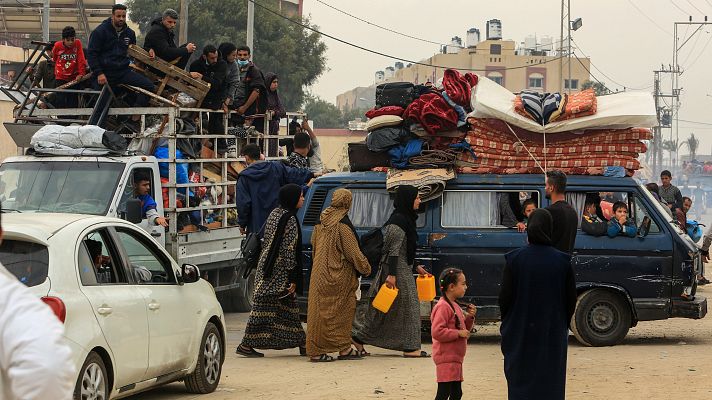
(565,217)
(250,97)
(669,193)
(44,73)
(315,163)
(108,56)
(258,187)
(70,64)
(160,41)
(212,69)
(35,363)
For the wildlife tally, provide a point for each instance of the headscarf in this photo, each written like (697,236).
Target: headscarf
(273,100)
(540,227)
(226,48)
(289,196)
(405,217)
(339,208)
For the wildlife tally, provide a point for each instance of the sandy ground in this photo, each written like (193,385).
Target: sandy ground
(658,360)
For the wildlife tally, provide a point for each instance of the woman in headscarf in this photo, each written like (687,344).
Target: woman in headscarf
(333,283)
(537,301)
(399,329)
(274,104)
(274,320)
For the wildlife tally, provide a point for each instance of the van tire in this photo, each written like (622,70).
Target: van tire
(602,318)
(239,299)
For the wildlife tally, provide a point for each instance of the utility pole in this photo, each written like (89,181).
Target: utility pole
(664,116)
(251,27)
(561,50)
(183,32)
(45,21)
(568,24)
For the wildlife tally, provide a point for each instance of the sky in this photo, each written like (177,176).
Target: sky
(625,43)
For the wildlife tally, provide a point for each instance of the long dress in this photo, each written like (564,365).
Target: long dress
(399,329)
(274,323)
(537,300)
(332,287)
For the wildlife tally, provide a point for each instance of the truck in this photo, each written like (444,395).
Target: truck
(104,185)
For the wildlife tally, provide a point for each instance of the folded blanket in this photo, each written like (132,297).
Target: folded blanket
(430,182)
(459,87)
(387,110)
(580,104)
(433,113)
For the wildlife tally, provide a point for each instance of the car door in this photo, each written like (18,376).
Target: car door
(117,306)
(468,234)
(173,314)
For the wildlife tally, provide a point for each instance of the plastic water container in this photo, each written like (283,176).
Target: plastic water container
(426,287)
(384,299)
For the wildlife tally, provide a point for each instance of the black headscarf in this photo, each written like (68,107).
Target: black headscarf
(273,101)
(405,217)
(540,227)
(288,200)
(225,49)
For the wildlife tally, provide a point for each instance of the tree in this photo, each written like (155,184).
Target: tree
(325,114)
(294,53)
(350,114)
(692,144)
(598,87)
(671,146)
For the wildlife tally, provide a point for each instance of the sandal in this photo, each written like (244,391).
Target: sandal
(322,358)
(302,351)
(423,354)
(353,354)
(251,353)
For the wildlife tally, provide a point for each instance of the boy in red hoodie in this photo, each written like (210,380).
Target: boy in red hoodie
(69,62)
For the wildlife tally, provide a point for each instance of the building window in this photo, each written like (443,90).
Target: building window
(497,77)
(574,84)
(495,49)
(536,81)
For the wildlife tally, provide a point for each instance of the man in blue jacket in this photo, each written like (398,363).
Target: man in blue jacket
(108,55)
(258,187)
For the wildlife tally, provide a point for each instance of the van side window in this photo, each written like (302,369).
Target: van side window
(129,187)
(483,209)
(371,208)
(639,212)
(605,201)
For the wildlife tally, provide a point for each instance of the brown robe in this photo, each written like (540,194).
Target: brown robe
(333,283)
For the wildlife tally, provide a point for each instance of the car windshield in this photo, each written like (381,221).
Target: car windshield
(59,186)
(28,261)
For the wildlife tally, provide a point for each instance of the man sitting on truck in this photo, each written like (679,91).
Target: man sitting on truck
(591,223)
(258,187)
(149,208)
(160,41)
(211,68)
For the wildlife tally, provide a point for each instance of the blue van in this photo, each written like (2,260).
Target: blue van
(620,280)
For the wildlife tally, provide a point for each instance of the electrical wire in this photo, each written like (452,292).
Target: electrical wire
(708,3)
(602,73)
(695,7)
(649,19)
(696,122)
(692,50)
(307,27)
(589,72)
(701,53)
(679,8)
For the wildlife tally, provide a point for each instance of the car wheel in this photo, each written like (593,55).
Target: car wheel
(239,299)
(93,382)
(206,376)
(602,318)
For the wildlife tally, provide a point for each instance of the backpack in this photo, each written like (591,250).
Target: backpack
(372,247)
(694,230)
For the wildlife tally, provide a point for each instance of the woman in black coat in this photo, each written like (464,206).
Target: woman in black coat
(537,300)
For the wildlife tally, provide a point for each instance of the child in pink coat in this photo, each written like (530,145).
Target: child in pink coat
(450,330)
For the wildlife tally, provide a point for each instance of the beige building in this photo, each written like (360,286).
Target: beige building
(499,60)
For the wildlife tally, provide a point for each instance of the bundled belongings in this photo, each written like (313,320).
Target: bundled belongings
(433,113)
(550,107)
(382,139)
(74,140)
(430,182)
(458,87)
(363,159)
(387,110)
(395,94)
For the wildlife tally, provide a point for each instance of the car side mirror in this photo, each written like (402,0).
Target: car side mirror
(133,211)
(190,273)
(644,227)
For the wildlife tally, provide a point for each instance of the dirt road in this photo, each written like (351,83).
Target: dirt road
(658,360)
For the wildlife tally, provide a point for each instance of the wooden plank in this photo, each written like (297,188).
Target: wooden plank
(161,65)
(150,94)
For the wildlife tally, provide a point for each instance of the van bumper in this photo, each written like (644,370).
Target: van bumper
(695,309)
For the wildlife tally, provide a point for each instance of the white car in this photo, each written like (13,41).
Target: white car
(133,318)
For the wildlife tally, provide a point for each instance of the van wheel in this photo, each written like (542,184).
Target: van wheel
(602,318)
(93,381)
(239,299)
(206,376)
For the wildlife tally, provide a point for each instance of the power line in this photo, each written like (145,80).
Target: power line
(388,55)
(648,18)
(589,72)
(708,3)
(602,73)
(679,8)
(696,122)
(695,7)
(701,53)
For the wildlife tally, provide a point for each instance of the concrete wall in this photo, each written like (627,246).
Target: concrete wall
(334,143)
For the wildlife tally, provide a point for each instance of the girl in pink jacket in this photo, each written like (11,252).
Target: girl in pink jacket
(450,330)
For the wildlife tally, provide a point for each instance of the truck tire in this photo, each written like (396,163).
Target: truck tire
(239,299)
(602,318)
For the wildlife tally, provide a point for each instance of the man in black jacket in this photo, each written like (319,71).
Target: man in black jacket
(211,68)
(591,223)
(160,40)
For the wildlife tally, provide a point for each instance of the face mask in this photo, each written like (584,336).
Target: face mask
(242,63)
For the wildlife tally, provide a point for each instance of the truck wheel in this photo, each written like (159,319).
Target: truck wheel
(239,299)
(602,318)
(206,376)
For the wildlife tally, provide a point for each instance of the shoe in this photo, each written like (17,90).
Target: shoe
(703,281)
(302,351)
(231,152)
(251,353)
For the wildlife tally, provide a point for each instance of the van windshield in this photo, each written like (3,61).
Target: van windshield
(59,186)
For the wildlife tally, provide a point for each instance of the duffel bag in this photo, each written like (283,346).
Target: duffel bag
(363,159)
(395,94)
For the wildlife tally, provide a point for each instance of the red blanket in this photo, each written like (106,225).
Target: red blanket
(432,113)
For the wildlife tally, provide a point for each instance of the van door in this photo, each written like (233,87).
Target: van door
(639,266)
(468,233)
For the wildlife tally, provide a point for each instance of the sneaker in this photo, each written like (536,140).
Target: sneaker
(231,152)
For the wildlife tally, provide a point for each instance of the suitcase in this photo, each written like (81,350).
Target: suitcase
(363,159)
(395,94)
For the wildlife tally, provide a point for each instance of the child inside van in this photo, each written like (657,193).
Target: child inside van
(591,223)
(528,208)
(620,224)
(450,330)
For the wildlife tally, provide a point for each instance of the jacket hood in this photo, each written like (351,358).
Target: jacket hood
(157,21)
(258,171)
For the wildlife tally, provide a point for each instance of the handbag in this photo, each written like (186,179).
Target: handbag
(251,248)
